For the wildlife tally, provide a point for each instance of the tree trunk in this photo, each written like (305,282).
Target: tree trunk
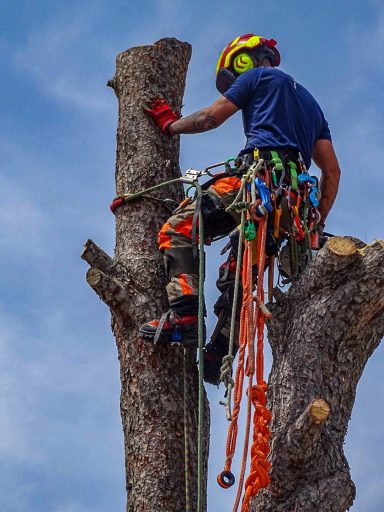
(132,284)
(322,332)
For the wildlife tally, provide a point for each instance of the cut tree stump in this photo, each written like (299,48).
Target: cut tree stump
(322,332)
(132,284)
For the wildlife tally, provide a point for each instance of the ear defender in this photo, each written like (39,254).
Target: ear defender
(242,62)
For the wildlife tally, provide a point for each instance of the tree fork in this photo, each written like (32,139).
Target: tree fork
(133,283)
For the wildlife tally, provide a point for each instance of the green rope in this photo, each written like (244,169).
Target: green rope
(186,445)
(135,195)
(200,428)
(130,197)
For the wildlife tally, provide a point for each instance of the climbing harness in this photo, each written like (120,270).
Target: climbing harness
(277,200)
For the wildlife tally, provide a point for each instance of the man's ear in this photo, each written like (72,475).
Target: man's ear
(224,80)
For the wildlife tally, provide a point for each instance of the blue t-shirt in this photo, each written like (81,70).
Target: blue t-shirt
(278,112)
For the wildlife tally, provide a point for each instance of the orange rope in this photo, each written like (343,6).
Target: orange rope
(249,333)
(251,323)
(260,466)
(243,340)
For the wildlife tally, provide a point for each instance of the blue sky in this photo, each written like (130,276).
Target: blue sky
(61,446)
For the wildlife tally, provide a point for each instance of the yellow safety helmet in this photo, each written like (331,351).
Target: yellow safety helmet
(236,58)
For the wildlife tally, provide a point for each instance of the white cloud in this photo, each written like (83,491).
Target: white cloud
(54,56)
(369,42)
(15,495)
(70,507)
(21,219)
(49,377)
(364,53)
(17,405)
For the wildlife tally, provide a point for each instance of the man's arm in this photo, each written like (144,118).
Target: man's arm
(325,158)
(205,119)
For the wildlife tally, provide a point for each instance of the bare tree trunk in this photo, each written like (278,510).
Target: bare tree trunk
(132,284)
(322,333)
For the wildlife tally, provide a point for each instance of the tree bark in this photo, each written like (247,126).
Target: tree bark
(322,332)
(132,284)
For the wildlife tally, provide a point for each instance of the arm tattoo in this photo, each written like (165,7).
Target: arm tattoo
(195,123)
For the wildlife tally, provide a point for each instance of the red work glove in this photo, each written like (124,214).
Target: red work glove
(162,114)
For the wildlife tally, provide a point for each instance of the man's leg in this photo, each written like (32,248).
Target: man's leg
(182,268)
(218,345)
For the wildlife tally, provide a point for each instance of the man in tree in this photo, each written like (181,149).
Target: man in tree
(281,121)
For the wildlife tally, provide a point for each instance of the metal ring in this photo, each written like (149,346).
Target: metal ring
(226,479)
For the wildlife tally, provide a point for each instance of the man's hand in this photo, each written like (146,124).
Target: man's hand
(161,113)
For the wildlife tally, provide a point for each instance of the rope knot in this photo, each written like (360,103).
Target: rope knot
(260,466)
(226,371)
(258,394)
